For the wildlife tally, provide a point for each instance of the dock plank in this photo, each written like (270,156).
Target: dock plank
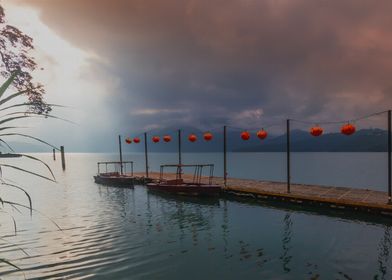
(340,197)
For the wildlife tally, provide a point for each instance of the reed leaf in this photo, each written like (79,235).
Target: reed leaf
(35,210)
(31,137)
(29,104)
(23,190)
(12,96)
(8,146)
(14,118)
(27,171)
(12,127)
(9,263)
(32,114)
(13,244)
(8,82)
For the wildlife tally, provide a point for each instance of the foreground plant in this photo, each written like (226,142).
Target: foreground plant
(7,152)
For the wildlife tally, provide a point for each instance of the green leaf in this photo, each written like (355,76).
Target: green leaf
(8,82)
(23,190)
(29,104)
(35,210)
(32,114)
(9,263)
(27,171)
(41,161)
(12,96)
(31,137)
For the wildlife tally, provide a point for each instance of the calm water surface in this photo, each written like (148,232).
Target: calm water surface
(117,233)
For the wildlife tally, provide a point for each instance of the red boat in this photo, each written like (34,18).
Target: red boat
(179,186)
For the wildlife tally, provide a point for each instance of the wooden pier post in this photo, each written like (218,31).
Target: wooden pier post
(120,150)
(389,157)
(224,155)
(179,152)
(54,154)
(145,153)
(62,157)
(288,155)
(179,147)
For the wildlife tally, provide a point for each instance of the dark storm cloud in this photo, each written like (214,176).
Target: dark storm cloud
(211,62)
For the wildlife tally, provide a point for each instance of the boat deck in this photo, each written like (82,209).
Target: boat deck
(321,196)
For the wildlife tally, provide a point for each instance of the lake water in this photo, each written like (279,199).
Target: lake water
(121,233)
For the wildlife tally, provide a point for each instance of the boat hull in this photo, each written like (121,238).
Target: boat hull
(186,189)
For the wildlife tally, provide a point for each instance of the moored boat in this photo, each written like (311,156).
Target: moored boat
(116,174)
(197,187)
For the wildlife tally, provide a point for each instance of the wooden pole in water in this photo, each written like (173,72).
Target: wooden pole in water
(54,154)
(145,153)
(179,152)
(179,147)
(224,156)
(389,157)
(288,154)
(121,158)
(62,157)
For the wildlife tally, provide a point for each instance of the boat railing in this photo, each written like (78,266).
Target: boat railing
(197,174)
(119,167)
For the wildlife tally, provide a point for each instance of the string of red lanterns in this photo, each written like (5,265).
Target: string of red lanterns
(316,131)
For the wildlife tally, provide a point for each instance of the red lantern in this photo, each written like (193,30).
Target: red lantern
(208,136)
(167,138)
(155,139)
(262,134)
(316,131)
(348,129)
(245,135)
(192,137)
(128,140)
(136,140)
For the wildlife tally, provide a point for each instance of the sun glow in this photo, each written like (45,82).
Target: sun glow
(70,75)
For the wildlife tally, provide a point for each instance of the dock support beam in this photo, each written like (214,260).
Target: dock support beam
(225,155)
(146,153)
(288,155)
(54,154)
(62,157)
(389,157)
(120,150)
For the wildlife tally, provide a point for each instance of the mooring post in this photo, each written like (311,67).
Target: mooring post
(288,154)
(54,154)
(389,157)
(120,150)
(145,153)
(62,157)
(224,156)
(179,152)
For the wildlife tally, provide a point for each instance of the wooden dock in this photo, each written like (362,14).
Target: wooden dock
(339,198)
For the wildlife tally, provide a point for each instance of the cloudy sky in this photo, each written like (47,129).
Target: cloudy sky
(126,66)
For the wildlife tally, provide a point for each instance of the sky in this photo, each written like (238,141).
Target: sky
(127,66)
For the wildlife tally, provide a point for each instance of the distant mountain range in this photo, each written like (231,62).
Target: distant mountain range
(365,140)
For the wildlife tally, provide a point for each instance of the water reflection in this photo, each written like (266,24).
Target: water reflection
(286,246)
(384,248)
